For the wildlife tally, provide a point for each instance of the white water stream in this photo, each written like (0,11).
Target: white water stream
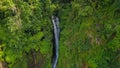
(55,21)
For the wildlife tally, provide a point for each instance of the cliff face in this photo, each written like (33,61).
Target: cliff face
(89,33)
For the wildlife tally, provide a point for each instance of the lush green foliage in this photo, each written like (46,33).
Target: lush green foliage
(23,28)
(89,38)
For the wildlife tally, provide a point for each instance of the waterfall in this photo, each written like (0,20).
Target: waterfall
(55,21)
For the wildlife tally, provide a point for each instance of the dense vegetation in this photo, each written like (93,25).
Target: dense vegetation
(89,37)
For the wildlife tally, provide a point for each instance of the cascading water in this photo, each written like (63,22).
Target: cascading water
(55,21)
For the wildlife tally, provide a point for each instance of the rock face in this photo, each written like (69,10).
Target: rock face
(1,65)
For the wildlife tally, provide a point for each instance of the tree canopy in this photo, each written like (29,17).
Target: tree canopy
(89,33)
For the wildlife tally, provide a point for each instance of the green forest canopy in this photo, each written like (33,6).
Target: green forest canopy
(89,37)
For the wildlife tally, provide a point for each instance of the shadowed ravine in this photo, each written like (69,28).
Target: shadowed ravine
(55,21)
